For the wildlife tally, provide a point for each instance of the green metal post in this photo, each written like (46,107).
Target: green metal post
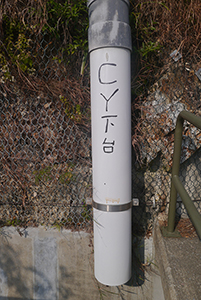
(176,184)
(191,118)
(175,171)
(190,207)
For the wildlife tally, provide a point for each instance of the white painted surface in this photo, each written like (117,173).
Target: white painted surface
(112,247)
(111,125)
(111,158)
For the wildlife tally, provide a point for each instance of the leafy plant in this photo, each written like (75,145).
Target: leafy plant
(63,22)
(68,21)
(49,173)
(44,174)
(85,211)
(13,222)
(73,111)
(15,48)
(148,48)
(159,27)
(67,176)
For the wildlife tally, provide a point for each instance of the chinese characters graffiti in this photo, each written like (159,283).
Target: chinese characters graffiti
(108,145)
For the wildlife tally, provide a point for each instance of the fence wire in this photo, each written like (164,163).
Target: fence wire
(45,148)
(45,167)
(177,88)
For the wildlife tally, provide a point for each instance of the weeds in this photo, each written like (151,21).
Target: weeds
(86,214)
(50,173)
(148,48)
(73,111)
(33,67)
(23,22)
(159,27)
(44,174)
(14,222)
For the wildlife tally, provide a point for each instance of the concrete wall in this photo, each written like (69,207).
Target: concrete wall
(50,264)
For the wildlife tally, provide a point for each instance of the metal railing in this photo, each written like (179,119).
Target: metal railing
(176,184)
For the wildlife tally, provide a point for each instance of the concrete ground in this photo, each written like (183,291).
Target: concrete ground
(179,261)
(40,264)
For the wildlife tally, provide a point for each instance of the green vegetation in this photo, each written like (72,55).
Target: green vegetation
(85,211)
(44,174)
(15,50)
(67,174)
(48,173)
(158,28)
(73,111)
(64,22)
(13,222)
(68,21)
(43,53)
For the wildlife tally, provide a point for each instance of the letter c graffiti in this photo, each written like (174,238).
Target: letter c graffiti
(99,73)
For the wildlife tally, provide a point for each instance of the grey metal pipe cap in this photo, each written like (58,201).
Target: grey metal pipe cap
(109,24)
(90,1)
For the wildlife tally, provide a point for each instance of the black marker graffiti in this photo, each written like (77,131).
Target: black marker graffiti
(108,149)
(107,121)
(99,73)
(107,100)
(108,146)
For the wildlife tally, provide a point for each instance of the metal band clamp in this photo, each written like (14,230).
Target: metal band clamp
(112,208)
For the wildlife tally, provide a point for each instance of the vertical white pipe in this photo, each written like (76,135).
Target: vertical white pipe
(109,46)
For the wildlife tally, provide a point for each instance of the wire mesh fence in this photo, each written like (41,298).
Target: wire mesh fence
(177,88)
(45,162)
(45,148)
(45,166)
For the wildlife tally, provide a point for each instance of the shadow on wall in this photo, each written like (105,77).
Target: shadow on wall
(139,224)
(138,261)
(10,269)
(141,217)
(19,280)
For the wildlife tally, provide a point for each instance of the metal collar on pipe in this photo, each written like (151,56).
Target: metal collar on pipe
(112,208)
(100,35)
(89,2)
(109,24)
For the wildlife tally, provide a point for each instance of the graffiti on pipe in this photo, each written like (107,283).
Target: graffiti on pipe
(108,146)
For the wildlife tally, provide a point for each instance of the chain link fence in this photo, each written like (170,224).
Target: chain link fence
(177,88)
(45,148)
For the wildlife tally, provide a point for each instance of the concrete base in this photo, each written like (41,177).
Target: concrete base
(179,264)
(51,264)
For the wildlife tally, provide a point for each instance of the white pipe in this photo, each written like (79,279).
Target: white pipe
(110,46)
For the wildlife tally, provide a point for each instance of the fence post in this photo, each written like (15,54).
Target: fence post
(175,171)
(109,47)
(176,185)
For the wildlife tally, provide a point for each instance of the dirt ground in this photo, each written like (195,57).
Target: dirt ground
(183,225)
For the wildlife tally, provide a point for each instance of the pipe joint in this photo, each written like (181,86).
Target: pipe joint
(109,24)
